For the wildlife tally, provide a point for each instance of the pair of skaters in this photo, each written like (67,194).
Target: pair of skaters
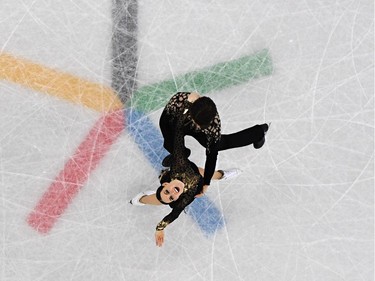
(190,114)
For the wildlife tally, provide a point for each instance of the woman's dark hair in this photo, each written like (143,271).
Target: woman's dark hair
(158,191)
(163,177)
(203,111)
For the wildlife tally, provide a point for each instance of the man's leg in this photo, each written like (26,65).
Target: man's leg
(168,135)
(167,132)
(253,135)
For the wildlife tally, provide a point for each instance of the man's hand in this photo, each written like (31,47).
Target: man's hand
(159,238)
(205,187)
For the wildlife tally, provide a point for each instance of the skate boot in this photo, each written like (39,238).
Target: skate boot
(230,173)
(135,201)
(260,143)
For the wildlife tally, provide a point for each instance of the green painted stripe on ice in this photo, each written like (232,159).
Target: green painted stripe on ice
(214,78)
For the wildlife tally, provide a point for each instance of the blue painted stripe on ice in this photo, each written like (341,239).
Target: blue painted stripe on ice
(147,136)
(207,216)
(150,141)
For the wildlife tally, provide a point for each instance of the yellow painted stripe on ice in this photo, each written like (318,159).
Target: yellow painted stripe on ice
(59,84)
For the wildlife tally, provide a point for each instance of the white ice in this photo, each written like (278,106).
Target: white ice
(302,210)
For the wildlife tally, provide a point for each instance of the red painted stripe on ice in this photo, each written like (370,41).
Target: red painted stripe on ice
(76,171)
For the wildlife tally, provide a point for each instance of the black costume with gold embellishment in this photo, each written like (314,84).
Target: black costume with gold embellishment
(209,138)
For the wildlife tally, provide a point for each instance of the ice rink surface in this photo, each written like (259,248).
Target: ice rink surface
(303,208)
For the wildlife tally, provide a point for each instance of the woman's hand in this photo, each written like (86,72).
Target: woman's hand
(159,238)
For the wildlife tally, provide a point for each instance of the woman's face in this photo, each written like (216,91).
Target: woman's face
(171,191)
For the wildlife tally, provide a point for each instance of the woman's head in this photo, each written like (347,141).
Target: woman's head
(169,192)
(203,112)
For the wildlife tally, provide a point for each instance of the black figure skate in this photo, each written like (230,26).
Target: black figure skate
(260,143)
